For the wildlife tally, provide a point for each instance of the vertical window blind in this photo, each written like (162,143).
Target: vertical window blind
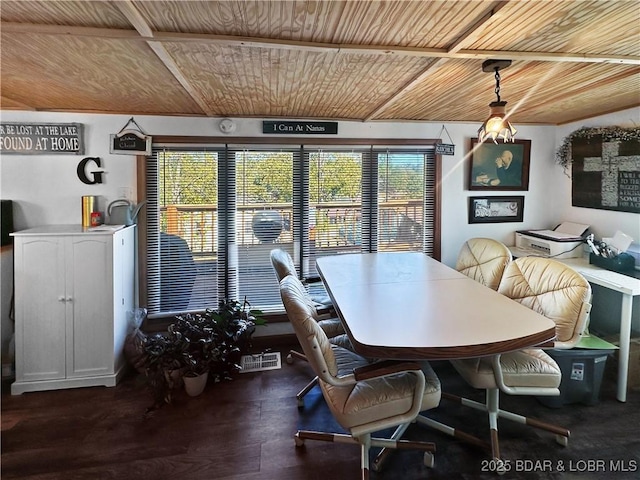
(405,213)
(182,230)
(263,220)
(215,213)
(335,204)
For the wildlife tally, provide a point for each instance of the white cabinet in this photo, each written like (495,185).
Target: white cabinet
(74,293)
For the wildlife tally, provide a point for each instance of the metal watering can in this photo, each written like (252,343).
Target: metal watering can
(123,212)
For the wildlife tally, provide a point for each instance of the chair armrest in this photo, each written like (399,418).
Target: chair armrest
(497,373)
(382,369)
(325,311)
(581,325)
(314,279)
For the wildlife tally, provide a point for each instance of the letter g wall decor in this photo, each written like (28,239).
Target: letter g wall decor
(96,176)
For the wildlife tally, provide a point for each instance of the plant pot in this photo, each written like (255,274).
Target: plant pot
(174,377)
(194,385)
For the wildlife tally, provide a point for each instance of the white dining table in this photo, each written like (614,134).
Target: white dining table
(406,305)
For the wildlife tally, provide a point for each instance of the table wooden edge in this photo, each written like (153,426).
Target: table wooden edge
(538,340)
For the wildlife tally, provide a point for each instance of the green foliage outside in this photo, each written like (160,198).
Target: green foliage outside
(191,178)
(400,177)
(264,177)
(188,178)
(335,176)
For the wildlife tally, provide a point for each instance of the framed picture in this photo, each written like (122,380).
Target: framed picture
(605,173)
(499,166)
(496,209)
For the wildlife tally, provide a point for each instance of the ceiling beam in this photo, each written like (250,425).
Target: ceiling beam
(549,56)
(129,10)
(468,36)
(257,42)
(557,96)
(166,58)
(70,31)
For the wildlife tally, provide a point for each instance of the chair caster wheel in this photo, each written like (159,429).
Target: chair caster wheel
(429,459)
(289,359)
(562,440)
(298,441)
(380,460)
(300,402)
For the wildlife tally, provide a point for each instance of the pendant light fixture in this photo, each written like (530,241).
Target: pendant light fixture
(497,125)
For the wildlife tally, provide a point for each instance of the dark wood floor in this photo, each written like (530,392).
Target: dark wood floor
(244,429)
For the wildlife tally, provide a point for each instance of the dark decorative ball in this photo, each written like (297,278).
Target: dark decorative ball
(267,225)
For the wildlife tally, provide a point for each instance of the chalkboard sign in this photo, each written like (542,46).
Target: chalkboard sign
(42,138)
(130,142)
(629,190)
(445,149)
(606,174)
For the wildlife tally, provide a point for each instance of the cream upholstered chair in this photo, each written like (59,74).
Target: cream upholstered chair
(363,397)
(283,265)
(556,291)
(484,260)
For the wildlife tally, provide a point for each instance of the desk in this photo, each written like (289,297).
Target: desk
(410,306)
(628,286)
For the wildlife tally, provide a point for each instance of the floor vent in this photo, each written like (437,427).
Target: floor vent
(260,362)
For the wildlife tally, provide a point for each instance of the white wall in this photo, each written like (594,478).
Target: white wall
(46,189)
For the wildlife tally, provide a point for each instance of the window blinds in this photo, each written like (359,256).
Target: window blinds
(335,204)
(405,211)
(182,230)
(262,211)
(214,215)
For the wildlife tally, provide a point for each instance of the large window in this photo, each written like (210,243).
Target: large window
(215,213)
(263,217)
(334,206)
(182,229)
(406,192)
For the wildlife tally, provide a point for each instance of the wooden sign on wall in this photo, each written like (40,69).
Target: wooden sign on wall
(606,174)
(42,138)
(300,128)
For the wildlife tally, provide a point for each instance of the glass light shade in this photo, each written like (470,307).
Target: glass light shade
(497,126)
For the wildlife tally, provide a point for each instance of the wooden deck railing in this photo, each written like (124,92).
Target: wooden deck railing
(333,225)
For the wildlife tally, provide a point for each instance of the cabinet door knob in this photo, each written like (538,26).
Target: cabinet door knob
(69,299)
(61,298)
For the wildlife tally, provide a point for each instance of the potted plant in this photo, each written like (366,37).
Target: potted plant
(197,336)
(161,362)
(216,339)
(207,344)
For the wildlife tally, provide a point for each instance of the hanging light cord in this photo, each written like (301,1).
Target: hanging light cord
(497,90)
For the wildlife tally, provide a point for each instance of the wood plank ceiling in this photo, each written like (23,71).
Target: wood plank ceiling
(351,60)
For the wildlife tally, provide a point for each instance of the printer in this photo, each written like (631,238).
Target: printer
(564,241)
